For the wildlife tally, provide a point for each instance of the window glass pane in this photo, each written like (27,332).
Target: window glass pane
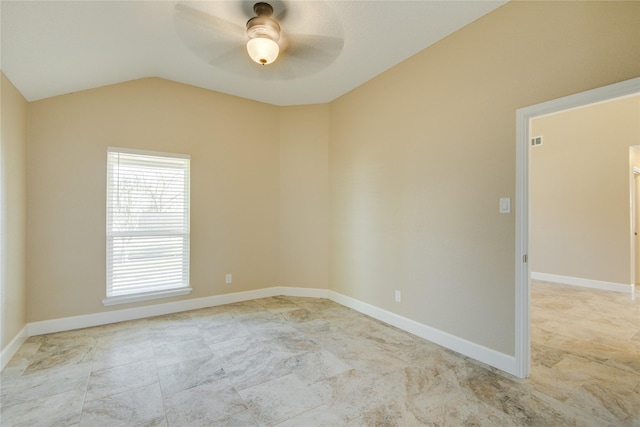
(147,222)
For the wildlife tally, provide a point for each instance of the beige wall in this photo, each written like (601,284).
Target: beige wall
(13,205)
(418,158)
(234,148)
(304,196)
(580,191)
(421,155)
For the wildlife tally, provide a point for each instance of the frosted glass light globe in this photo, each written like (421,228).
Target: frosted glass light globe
(263,50)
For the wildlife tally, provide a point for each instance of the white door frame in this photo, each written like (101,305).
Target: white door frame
(635,173)
(523,120)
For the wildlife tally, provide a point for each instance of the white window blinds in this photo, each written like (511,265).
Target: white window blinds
(147,222)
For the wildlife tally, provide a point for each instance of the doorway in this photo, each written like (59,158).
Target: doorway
(523,122)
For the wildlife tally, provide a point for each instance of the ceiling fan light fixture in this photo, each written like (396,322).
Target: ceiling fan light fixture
(263,50)
(263,32)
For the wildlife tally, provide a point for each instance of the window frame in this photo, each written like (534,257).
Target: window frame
(112,234)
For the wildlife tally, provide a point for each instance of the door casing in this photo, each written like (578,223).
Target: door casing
(523,121)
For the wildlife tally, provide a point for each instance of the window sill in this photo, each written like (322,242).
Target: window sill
(125,299)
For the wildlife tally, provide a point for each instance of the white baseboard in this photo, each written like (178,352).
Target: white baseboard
(10,350)
(302,292)
(97,319)
(585,283)
(483,354)
(502,361)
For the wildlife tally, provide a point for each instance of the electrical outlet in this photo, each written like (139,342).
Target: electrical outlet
(398,296)
(228,278)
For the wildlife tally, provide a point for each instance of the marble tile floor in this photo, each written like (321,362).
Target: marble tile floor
(289,361)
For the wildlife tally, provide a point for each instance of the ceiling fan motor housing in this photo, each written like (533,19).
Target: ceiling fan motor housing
(263,32)
(263,25)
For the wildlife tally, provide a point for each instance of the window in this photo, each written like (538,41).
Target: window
(147,225)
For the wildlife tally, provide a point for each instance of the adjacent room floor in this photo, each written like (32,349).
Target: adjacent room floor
(291,361)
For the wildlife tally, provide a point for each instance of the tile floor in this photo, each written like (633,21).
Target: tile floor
(290,361)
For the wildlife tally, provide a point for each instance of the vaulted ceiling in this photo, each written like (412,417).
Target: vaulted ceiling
(51,48)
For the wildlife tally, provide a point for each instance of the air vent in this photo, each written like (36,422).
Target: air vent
(535,141)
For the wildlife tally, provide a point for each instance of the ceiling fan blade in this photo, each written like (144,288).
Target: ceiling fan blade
(217,54)
(237,62)
(283,70)
(282,15)
(208,36)
(307,54)
(311,44)
(191,22)
(231,59)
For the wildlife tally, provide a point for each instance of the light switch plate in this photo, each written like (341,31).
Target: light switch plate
(505,205)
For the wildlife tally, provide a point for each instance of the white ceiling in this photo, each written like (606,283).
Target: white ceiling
(51,48)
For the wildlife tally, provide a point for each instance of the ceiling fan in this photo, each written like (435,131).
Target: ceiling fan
(274,43)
